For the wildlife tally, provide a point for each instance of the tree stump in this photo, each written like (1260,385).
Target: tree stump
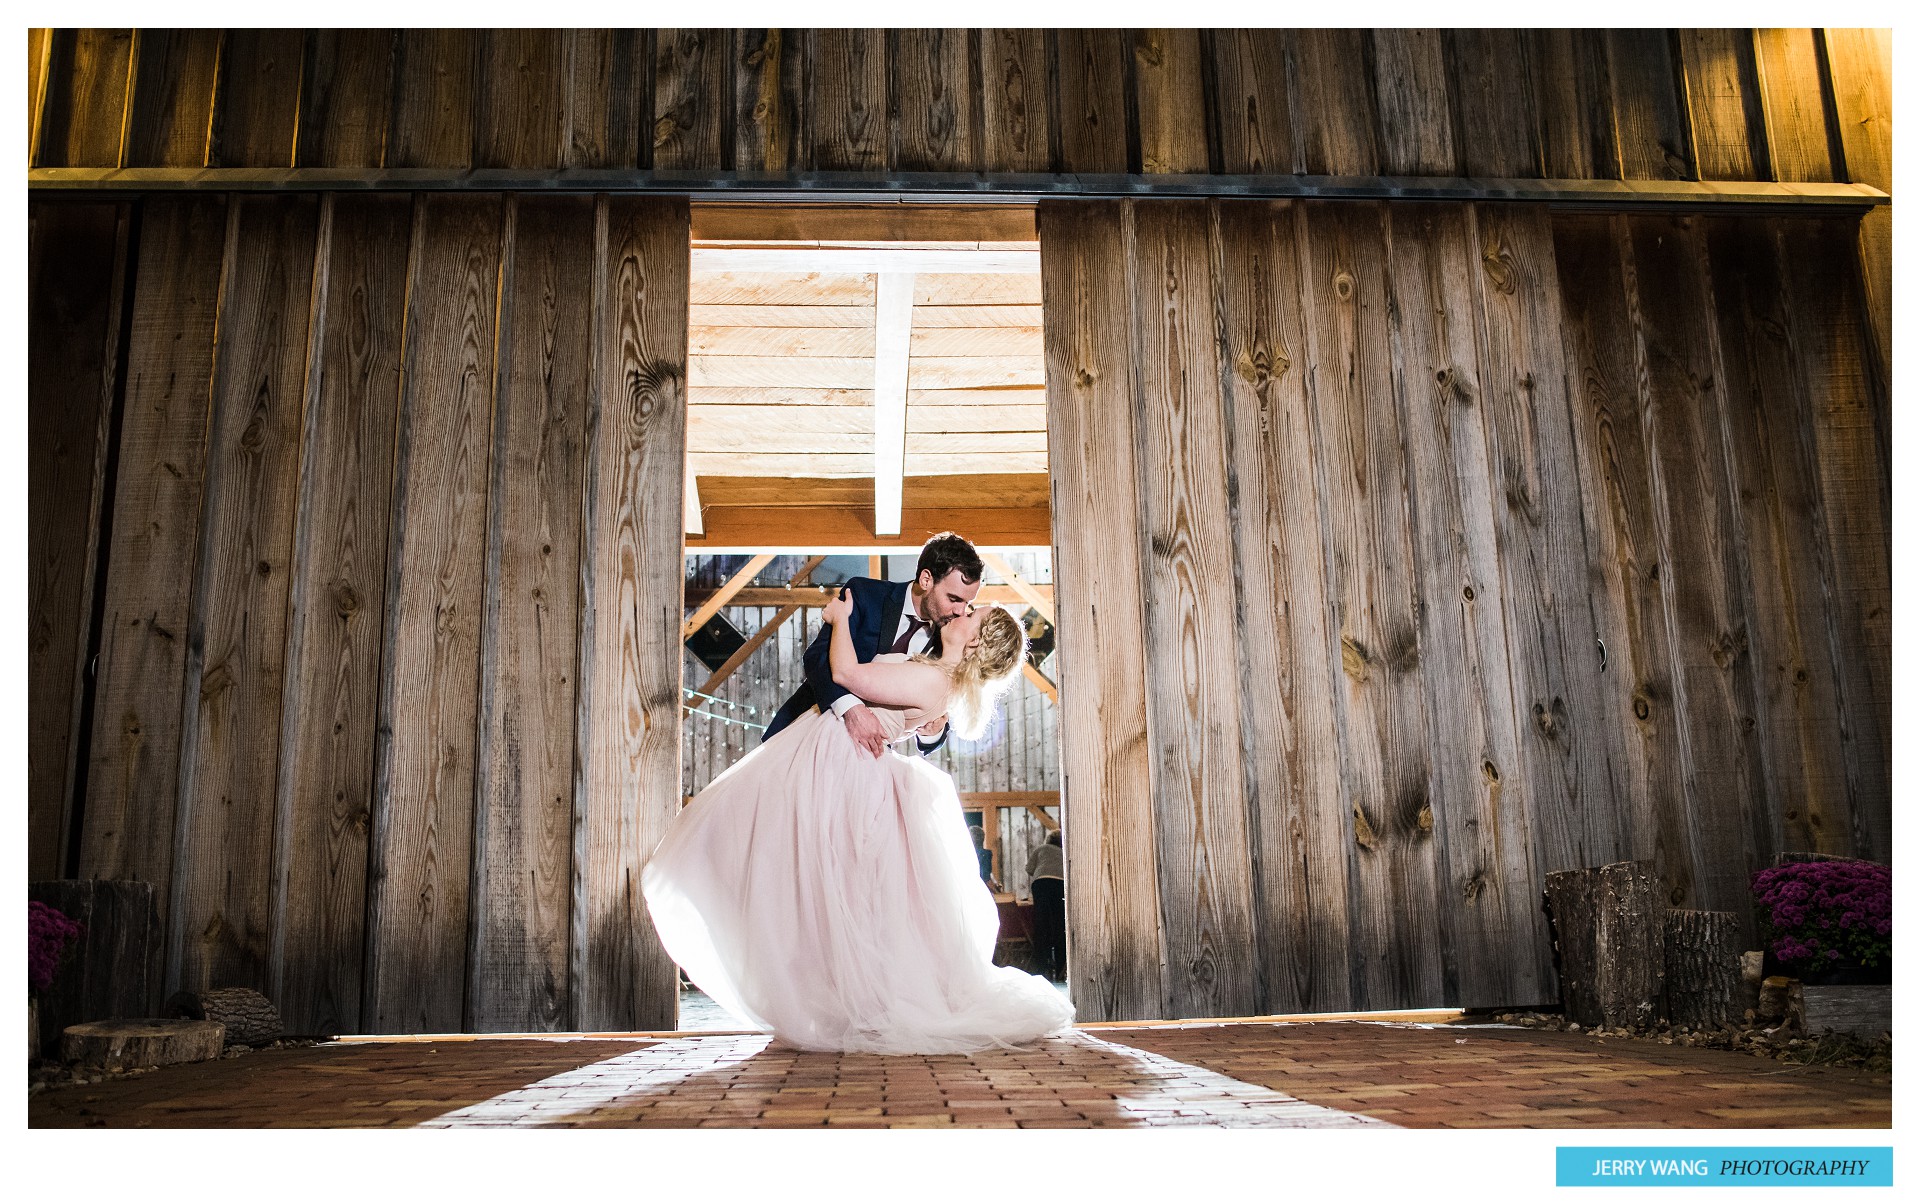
(247,1015)
(1703,967)
(142,1043)
(1609,936)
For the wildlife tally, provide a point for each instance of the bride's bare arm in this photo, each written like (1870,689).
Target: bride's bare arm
(889,684)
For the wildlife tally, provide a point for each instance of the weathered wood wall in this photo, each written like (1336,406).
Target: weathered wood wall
(384,705)
(1725,104)
(1409,552)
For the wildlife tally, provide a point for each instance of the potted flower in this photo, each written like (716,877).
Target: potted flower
(1828,922)
(49,935)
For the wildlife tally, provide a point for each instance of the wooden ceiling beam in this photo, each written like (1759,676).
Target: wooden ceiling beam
(720,222)
(735,583)
(849,529)
(892,338)
(1019,585)
(863,261)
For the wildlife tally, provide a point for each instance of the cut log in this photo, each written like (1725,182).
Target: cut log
(1783,1003)
(248,1016)
(1866,1011)
(142,1043)
(1608,936)
(1703,967)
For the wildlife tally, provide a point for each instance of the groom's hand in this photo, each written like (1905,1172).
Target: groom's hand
(866,730)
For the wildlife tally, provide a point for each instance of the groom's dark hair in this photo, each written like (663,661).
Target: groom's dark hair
(947,551)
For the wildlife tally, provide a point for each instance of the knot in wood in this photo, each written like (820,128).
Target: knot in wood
(1362,830)
(1343,285)
(1354,659)
(1498,262)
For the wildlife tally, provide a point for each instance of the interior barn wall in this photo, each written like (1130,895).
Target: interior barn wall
(1410,552)
(381,694)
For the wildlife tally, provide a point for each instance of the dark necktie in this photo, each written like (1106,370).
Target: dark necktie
(906,637)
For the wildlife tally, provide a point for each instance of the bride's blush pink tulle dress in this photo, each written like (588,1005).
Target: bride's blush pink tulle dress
(833,899)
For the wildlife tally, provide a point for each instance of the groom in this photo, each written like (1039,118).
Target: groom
(888,616)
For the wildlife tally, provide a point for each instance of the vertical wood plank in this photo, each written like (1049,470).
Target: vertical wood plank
(421,847)
(435,90)
(1416,113)
(1723,96)
(1172,101)
(1842,403)
(1781,513)
(933,100)
(1706,609)
(1573,96)
(1332,102)
(626,788)
(1497,116)
(523,840)
(172,107)
(1090,99)
(1378,704)
(1572,752)
(83,121)
(133,756)
(1299,817)
(76,268)
(1099,542)
(607,84)
(1788,64)
(523,98)
(39,46)
(1206,898)
(1612,428)
(846,91)
(1016,115)
(1250,95)
(220,929)
(1649,109)
(346,100)
(1488,881)
(689,98)
(258,106)
(1860,65)
(767,99)
(325,794)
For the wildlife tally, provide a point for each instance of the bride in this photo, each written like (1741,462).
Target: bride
(833,898)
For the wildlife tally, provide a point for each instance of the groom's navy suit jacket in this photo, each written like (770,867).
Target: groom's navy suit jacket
(876,617)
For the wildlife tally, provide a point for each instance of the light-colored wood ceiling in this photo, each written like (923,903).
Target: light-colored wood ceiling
(781,373)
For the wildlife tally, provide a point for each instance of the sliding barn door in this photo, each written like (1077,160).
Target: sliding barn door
(1407,553)
(388,693)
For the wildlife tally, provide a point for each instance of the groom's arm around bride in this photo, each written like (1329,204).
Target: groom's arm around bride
(889,616)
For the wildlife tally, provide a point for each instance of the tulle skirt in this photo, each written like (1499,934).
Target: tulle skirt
(834,899)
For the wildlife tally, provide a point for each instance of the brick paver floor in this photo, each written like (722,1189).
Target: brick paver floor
(1220,1075)
(1458,1076)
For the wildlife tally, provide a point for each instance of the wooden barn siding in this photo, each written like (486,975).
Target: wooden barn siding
(1456,451)
(378,457)
(1579,104)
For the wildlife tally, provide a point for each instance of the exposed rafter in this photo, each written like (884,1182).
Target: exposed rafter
(694,525)
(892,337)
(735,584)
(1019,585)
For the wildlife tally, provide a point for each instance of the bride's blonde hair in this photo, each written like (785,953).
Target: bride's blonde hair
(986,672)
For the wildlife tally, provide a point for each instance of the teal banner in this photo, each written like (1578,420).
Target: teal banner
(1742,1165)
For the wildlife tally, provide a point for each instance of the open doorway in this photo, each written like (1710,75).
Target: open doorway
(859,379)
